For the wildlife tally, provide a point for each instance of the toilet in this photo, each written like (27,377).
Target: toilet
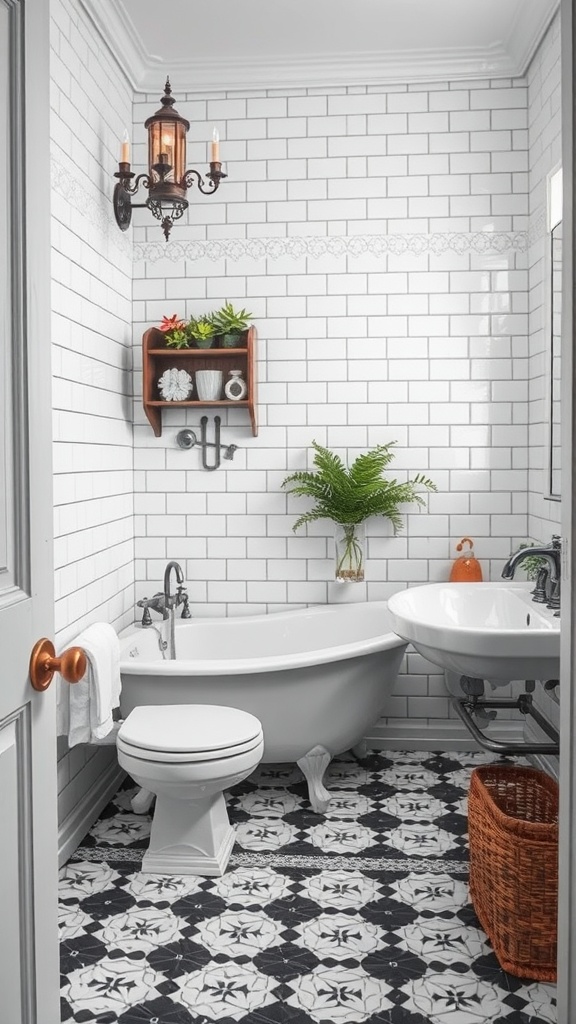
(188,754)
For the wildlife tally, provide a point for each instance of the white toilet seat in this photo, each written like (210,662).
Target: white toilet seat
(182,734)
(187,755)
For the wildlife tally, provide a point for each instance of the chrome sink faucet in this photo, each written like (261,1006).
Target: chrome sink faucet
(164,601)
(552,554)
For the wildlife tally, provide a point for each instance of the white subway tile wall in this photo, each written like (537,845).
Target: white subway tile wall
(91,345)
(379,237)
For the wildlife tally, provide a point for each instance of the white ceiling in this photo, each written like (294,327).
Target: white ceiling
(237,44)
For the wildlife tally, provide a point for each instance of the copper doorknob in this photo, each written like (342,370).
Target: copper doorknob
(43,664)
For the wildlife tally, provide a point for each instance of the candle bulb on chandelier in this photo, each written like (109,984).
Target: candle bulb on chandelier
(215,147)
(125,149)
(167,150)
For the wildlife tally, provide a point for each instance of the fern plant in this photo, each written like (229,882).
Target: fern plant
(350,496)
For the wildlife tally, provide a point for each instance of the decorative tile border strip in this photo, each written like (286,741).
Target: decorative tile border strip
(286,860)
(93,205)
(113,854)
(440,865)
(297,246)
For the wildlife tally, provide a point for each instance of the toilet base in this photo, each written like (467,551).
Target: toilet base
(189,837)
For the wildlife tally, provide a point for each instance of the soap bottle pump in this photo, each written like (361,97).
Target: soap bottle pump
(466,568)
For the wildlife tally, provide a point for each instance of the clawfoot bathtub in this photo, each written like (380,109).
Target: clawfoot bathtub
(317,678)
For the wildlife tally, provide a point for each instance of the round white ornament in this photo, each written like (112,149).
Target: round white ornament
(175,385)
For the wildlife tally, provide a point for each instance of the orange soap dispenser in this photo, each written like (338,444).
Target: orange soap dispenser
(466,568)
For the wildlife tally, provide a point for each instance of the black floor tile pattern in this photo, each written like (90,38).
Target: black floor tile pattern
(358,916)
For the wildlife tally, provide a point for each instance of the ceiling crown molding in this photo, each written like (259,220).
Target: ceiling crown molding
(120,36)
(526,34)
(145,71)
(339,69)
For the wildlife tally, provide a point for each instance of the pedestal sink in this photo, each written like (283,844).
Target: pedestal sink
(490,631)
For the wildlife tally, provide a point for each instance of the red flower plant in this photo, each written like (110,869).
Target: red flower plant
(172,323)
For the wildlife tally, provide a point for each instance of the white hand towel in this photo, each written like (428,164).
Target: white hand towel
(94,698)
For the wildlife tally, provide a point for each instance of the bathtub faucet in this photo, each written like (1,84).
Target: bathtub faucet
(552,554)
(164,601)
(156,603)
(172,601)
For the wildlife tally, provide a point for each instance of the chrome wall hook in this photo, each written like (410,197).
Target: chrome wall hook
(187,439)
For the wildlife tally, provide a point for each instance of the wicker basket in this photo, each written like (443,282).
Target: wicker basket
(513,831)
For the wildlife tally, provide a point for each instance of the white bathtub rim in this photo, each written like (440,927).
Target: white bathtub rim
(248,666)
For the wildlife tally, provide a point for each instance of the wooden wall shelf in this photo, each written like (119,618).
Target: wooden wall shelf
(157,357)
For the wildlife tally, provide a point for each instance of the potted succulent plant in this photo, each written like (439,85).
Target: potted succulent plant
(351,496)
(203,331)
(231,324)
(175,332)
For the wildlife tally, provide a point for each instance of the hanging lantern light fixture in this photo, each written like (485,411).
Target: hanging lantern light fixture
(167,179)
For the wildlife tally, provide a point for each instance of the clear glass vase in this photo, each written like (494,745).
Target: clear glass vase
(350,545)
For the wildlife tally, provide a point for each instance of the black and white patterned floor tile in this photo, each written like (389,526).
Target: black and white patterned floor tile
(360,916)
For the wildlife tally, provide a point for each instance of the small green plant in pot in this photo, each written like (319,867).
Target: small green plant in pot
(231,324)
(203,331)
(351,496)
(175,332)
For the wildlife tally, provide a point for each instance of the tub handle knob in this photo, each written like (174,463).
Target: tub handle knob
(146,617)
(182,599)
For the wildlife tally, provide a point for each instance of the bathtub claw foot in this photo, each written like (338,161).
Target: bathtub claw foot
(360,749)
(142,801)
(313,765)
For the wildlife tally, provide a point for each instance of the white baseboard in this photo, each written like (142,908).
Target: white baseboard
(442,735)
(75,826)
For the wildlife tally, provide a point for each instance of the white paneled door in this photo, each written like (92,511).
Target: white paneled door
(28,829)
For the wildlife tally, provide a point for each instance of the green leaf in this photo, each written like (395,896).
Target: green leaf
(355,494)
(202,328)
(177,339)
(229,320)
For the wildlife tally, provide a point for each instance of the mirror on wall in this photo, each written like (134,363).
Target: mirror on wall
(554,273)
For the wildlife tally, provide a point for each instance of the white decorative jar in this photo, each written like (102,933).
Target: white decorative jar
(236,388)
(209,385)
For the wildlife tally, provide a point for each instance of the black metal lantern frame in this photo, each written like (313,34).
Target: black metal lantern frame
(167,181)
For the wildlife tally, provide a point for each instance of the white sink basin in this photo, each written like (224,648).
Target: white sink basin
(485,630)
